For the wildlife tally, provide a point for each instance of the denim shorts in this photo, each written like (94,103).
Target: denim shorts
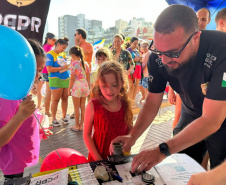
(45,77)
(53,88)
(144,82)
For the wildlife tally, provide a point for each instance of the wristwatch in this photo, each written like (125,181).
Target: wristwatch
(163,147)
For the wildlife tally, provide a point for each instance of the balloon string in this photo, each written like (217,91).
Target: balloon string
(50,142)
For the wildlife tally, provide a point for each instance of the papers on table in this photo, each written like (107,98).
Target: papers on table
(177,169)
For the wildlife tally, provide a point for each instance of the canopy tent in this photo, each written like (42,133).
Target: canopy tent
(213,5)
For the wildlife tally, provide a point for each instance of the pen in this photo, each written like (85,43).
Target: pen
(113,173)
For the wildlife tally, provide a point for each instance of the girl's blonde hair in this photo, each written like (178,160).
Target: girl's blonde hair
(104,51)
(116,69)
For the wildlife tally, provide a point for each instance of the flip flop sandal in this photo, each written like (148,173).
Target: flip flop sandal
(72,116)
(74,129)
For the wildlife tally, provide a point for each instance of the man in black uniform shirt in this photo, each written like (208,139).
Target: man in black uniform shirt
(194,63)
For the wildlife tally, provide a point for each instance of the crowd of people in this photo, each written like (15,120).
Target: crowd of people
(184,54)
(60,85)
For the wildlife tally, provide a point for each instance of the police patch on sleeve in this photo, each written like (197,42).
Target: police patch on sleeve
(204,88)
(224,80)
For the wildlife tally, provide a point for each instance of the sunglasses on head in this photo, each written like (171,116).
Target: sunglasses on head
(173,54)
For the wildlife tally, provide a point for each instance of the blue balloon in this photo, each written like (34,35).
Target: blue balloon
(18,65)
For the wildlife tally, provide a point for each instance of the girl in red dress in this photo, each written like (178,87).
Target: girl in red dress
(109,113)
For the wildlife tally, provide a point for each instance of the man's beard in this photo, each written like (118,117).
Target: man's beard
(181,67)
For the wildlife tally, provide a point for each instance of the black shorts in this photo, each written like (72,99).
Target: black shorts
(13,176)
(215,143)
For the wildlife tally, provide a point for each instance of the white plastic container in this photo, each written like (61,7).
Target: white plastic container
(2,178)
(45,121)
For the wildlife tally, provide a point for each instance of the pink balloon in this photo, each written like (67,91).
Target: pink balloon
(68,157)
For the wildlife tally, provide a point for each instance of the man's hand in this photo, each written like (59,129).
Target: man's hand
(26,108)
(147,159)
(216,176)
(203,178)
(126,141)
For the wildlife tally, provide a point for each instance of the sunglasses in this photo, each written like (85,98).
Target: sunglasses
(173,54)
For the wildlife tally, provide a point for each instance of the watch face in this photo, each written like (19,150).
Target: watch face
(164,146)
(148,178)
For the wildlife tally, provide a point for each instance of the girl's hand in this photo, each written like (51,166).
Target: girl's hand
(26,108)
(126,141)
(76,72)
(138,57)
(66,66)
(127,72)
(172,98)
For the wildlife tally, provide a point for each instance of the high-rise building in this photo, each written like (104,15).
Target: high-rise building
(121,25)
(67,25)
(139,28)
(96,23)
(95,34)
(109,34)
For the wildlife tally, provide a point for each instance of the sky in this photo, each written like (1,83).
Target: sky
(107,11)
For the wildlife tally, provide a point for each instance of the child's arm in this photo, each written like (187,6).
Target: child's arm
(88,78)
(88,74)
(49,64)
(72,81)
(131,62)
(72,77)
(87,132)
(64,68)
(171,96)
(26,108)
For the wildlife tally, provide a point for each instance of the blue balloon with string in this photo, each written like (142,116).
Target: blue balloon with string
(18,65)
